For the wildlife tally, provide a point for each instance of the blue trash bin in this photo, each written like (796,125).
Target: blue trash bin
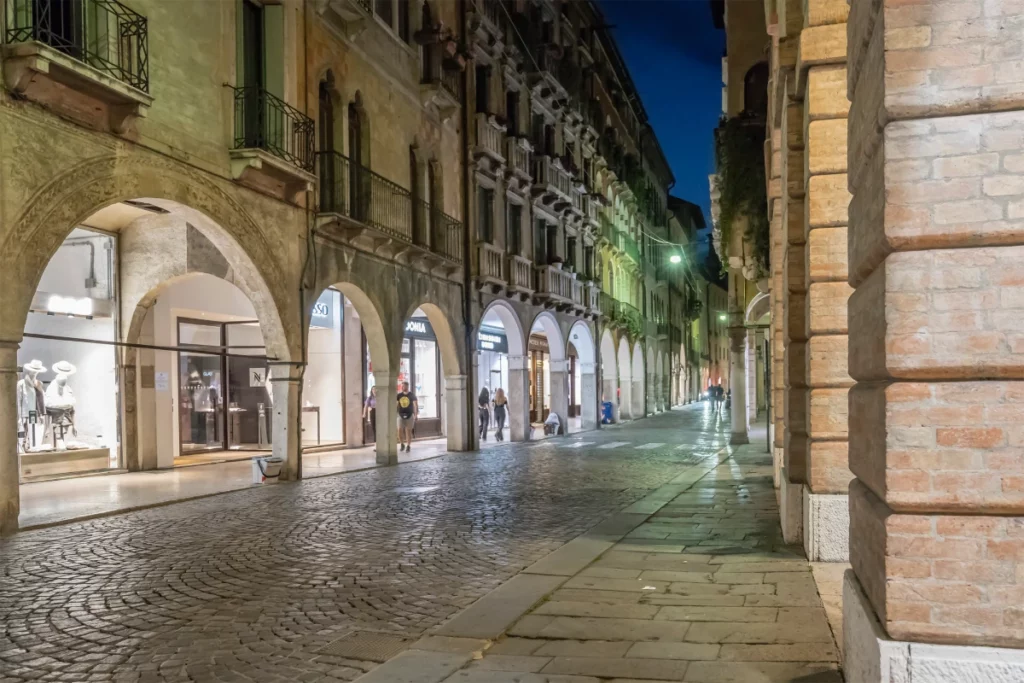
(607,413)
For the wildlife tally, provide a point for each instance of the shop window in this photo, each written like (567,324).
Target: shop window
(322,404)
(403,20)
(67,394)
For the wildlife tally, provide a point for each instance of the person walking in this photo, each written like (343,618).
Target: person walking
(483,405)
(370,411)
(500,406)
(408,410)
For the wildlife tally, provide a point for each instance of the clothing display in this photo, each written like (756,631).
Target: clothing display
(60,405)
(31,406)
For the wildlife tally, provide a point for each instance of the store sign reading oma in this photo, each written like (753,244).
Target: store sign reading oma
(77,306)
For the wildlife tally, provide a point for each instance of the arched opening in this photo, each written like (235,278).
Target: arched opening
(638,381)
(549,380)
(583,378)
(429,368)
(502,363)
(625,363)
(149,340)
(609,377)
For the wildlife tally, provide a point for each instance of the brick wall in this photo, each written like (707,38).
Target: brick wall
(936,248)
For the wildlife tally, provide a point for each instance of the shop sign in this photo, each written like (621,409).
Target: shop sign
(492,341)
(76,306)
(323,313)
(257,377)
(418,327)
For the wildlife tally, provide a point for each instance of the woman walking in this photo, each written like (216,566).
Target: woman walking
(370,411)
(500,404)
(483,409)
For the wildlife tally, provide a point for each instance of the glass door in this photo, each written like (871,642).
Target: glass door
(200,387)
(249,397)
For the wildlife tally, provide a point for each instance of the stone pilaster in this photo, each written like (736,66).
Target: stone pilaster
(387,417)
(10,467)
(518,398)
(456,395)
(286,429)
(352,357)
(558,378)
(936,246)
(589,409)
(738,380)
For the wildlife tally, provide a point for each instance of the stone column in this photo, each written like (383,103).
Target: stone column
(285,416)
(751,376)
(760,366)
(519,398)
(738,380)
(636,395)
(624,401)
(10,466)
(456,389)
(387,417)
(589,400)
(353,385)
(558,376)
(609,387)
(936,256)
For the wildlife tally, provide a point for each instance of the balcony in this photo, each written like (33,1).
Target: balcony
(490,266)
(554,286)
(351,16)
(593,294)
(591,210)
(609,306)
(86,60)
(520,276)
(609,235)
(273,144)
(663,331)
(378,215)
(440,87)
(489,139)
(551,183)
(579,296)
(629,247)
(489,20)
(518,157)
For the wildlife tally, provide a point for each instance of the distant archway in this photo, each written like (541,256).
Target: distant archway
(638,381)
(609,372)
(582,340)
(515,370)
(625,363)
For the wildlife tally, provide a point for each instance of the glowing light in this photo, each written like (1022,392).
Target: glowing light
(723,317)
(675,258)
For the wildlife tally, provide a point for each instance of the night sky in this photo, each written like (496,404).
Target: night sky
(674,54)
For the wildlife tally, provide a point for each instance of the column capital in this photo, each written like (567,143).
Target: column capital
(518,362)
(558,365)
(455,382)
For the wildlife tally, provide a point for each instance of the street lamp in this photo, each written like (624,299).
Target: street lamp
(723,317)
(675,258)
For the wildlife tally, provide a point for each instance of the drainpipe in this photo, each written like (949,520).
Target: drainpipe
(310,250)
(467,304)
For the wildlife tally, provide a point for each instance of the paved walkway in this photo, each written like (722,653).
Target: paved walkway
(703,591)
(425,566)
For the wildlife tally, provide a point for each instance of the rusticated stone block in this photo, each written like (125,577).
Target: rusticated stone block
(822,45)
(794,221)
(826,255)
(827,414)
(826,361)
(940,445)
(940,314)
(826,93)
(796,364)
(827,304)
(795,455)
(795,269)
(827,200)
(828,467)
(822,12)
(826,147)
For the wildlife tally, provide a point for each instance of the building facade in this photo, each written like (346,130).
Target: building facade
(893,132)
(231,226)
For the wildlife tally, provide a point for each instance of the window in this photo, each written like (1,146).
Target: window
(483,85)
(588,262)
(513,229)
(552,243)
(549,140)
(570,253)
(512,112)
(540,253)
(384,10)
(403,20)
(485,208)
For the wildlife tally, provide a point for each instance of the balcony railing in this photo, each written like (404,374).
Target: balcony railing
(593,298)
(518,158)
(491,263)
(103,34)
(579,299)
(609,305)
(264,121)
(369,198)
(488,138)
(629,246)
(554,283)
(545,172)
(520,273)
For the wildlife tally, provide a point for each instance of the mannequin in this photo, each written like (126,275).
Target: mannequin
(60,404)
(30,403)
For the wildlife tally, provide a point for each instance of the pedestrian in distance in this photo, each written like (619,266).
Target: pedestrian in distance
(408,410)
(500,406)
(483,405)
(370,411)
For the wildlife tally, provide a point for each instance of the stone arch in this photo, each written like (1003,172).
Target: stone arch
(548,324)
(510,321)
(447,344)
(625,364)
(609,371)
(457,387)
(518,389)
(72,197)
(759,306)
(558,365)
(582,339)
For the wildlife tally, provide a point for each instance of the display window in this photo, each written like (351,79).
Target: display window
(540,396)
(420,366)
(68,402)
(323,422)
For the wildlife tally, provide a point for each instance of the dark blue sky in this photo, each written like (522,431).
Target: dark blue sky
(674,54)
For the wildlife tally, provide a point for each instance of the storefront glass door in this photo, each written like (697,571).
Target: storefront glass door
(200,387)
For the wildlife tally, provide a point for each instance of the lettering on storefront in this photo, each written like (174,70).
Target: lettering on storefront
(419,327)
(322,316)
(489,341)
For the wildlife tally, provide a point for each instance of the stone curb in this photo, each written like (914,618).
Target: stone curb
(470,632)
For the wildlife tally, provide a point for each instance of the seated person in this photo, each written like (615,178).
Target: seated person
(552,425)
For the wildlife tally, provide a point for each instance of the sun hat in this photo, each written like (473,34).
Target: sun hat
(34,366)
(64,368)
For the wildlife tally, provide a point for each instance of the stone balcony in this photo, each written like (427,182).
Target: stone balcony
(552,184)
(520,276)
(489,150)
(554,287)
(517,167)
(579,296)
(490,267)
(593,299)
(68,68)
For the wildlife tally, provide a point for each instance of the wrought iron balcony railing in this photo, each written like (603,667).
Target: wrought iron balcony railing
(264,121)
(103,34)
(364,196)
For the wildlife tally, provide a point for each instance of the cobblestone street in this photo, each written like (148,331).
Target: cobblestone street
(253,585)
